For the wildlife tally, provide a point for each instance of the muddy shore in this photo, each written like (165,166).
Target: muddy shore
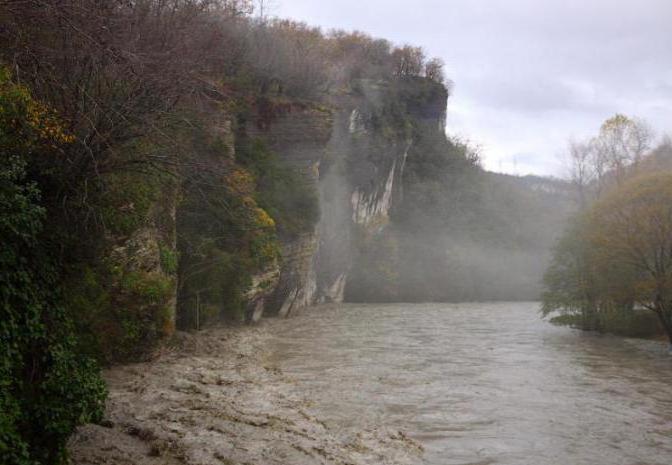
(214,398)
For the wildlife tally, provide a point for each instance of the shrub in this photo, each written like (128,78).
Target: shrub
(46,387)
(282,192)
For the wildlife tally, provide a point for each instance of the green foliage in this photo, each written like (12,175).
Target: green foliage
(214,280)
(122,314)
(227,231)
(397,106)
(620,321)
(142,311)
(153,288)
(118,296)
(169,260)
(46,387)
(264,249)
(282,192)
(569,281)
(125,201)
(88,300)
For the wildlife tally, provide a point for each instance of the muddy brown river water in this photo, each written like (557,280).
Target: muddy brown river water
(483,383)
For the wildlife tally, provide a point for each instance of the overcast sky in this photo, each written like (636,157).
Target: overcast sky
(528,74)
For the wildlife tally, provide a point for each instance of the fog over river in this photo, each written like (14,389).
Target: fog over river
(483,383)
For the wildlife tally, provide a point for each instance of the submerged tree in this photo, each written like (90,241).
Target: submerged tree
(631,232)
(617,258)
(569,280)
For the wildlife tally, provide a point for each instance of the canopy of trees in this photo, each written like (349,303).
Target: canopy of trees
(631,232)
(618,256)
(608,158)
(614,261)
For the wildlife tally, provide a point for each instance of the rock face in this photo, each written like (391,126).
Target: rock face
(262,287)
(352,151)
(299,135)
(140,275)
(355,156)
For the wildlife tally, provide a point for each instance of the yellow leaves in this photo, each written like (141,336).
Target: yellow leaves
(263,219)
(643,197)
(31,123)
(46,125)
(631,235)
(242,185)
(615,122)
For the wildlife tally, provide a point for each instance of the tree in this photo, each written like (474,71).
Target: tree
(631,233)
(582,170)
(46,388)
(408,61)
(569,281)
(609,158)
(265,8)
(622,142)
(434,70)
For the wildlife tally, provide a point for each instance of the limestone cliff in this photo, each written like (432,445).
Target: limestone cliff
(125,292)
(354,154)
(249,245)
(208,238)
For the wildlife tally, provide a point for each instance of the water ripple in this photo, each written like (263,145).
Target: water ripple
(484,383)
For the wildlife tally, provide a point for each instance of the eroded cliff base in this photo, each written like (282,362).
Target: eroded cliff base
(216,399)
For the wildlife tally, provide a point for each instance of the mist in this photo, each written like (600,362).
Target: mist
(297,232)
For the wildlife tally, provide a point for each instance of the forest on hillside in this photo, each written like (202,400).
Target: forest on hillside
(461,234)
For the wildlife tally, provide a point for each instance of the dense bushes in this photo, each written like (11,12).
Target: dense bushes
(46,388)
(303,62)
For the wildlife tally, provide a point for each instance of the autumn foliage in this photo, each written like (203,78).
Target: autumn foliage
(617,259)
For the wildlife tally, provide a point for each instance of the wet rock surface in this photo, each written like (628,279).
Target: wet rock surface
(216,398)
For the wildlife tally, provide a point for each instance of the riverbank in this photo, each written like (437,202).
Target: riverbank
(639,324)
(215,398)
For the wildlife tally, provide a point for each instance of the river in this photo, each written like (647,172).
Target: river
(483,383)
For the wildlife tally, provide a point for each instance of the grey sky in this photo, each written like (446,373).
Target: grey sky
(528,74)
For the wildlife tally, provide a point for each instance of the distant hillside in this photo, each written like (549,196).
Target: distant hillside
(461,233)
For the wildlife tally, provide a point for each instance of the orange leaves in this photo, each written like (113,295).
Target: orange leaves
(240,182)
